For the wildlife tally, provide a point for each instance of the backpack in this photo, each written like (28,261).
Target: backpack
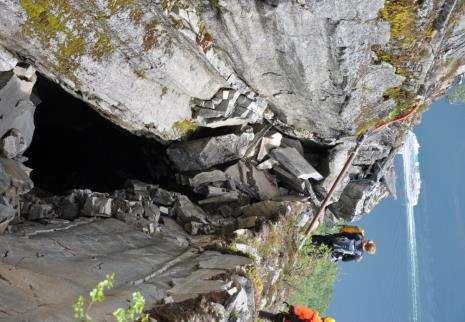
(303,314)
(348,229)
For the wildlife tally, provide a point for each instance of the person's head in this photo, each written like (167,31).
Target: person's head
(369,246)
(329,319)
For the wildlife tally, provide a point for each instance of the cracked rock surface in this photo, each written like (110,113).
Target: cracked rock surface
(247,110)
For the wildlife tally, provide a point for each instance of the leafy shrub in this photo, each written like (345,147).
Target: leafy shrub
(133,313)
(456,95)
(315,287)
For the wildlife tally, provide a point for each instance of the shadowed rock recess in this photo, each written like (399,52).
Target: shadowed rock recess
(183,145)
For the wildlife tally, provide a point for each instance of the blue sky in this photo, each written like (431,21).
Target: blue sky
(377,289)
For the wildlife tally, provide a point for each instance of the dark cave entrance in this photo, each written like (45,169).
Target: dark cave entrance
(76,148)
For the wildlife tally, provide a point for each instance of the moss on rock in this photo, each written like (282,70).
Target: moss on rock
(185,127)
(45,18)
(116,5)
(102,48)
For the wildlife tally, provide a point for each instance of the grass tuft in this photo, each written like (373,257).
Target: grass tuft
(313,277)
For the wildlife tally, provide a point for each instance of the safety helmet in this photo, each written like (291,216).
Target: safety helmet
(329,319)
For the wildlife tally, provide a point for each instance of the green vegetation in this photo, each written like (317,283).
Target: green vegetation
(102,48)
(45,20)
(256,279)
(58,20)
(401,14)
(185,126)
(97,295)
(115,5)
(406,47)
(403,98)
(456,95)
(45,17)
(215,4)
(307,276)
(313,277)
(174,5)
(134,312)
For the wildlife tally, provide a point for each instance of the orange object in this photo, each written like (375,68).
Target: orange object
(348,229)
(304,313)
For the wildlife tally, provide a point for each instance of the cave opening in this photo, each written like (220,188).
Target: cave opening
(74,147)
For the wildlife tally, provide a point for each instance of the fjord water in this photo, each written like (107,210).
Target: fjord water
(426,283)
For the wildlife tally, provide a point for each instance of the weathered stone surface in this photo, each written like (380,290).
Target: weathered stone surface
(228,196)
(16,108)
(144,66)
(5,180)
(12,144)
(204,153)
(46,262)
(256,183)
(358,198)
(335,161)
(7,214)
(7,61)
(104,64)
(230,107)
(69,206)
(289,180)
(39,211)
(271,54)
(268,143)
(97,205)
(292,143)
(268,52)
(264,209)
(267,164)
(295,163)
(243,303)
(199,282)
(239,305)
(163,197)
(186,211)
(215,260)
(208,177)
(18,176)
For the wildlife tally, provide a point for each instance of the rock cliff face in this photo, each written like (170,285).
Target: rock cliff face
(135,61)
(266,100)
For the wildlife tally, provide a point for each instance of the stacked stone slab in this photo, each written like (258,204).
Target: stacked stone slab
(16,131)
(230,107)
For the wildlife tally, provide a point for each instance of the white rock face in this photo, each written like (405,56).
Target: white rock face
(140,64)
(129,62)
(7,61)
(17,109)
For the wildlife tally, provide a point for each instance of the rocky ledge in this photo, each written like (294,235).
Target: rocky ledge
(248,111)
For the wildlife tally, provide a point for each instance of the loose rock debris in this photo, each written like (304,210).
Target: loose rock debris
(225,183)
(225,174)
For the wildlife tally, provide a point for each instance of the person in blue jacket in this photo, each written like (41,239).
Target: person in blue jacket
(346,246)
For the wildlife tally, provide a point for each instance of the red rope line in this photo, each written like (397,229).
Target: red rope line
(399,118)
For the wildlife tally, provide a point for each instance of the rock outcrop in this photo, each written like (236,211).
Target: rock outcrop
(16,131)
(267,100)
(134,61)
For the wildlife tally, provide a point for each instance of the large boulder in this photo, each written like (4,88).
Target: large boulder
(359,198)
(17,110)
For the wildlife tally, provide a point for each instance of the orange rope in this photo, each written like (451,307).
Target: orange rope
(361,140)
(399,118)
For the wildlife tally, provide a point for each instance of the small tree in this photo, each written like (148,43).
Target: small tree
(456,95)
(133,313)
